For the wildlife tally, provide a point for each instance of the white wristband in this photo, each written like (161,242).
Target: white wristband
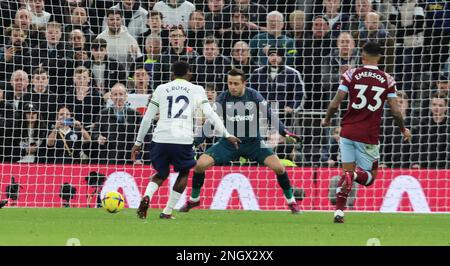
(138,143)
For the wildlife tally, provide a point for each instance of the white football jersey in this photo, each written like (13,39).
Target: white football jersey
(177,101)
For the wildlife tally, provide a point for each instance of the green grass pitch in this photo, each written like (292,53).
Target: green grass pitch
(204,227)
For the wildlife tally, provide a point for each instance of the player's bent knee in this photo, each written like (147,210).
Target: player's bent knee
(204,162)
(274,163)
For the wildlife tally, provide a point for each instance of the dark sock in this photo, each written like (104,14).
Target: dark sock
(361,177)
(197,183)
(285,184)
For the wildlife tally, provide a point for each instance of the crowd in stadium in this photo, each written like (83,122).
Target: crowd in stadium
(81,59)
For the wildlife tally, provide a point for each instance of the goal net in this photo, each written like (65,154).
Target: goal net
(76,77)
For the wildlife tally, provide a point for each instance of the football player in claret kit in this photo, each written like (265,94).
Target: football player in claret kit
(173,136)
(368,88)
(245,121)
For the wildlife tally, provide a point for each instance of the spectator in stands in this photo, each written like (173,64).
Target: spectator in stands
(77,40)
(52,55)
(78,49)
(212,66)
(317,46)
(239,31)
(15,54)
(139,90)
(337,20)
(437,33)
(240,58)
(121,45)
(197,32)
(84,100)
(39,17)
(141,83)
(215,16)
(434,137)
(178,49)
(105,71)
(273,37)
(158,72)
(442,85)
(134,17)
(175,12)
(41,96)
(373,30)
(394,151)
(61,10)
(22,20)
(331,156)
(279,83)
(6,127)
(19,86)
(29,135)
(148,4)
(298,34)
(210,139)
(7,12)
(296,25)
(362,8)
(79,20)
(155,27)
(341,59)
(408,17)
(116,129)
(255,12)
(66,139)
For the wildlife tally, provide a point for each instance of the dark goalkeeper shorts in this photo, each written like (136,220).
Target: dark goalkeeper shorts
(223,151)
(181,156)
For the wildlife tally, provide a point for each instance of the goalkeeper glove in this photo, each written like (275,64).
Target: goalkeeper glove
(291,137)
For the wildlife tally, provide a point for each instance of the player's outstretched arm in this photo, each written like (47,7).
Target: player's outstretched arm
(398,118)
(152,110)
(333,107)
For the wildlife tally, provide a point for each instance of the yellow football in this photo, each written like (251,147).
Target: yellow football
(113,202)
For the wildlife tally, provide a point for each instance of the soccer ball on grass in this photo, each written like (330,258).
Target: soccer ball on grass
(113,202)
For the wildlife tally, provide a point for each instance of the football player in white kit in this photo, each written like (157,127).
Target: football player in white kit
(173,137)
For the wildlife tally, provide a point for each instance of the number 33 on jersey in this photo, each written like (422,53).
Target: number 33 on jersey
(368,88)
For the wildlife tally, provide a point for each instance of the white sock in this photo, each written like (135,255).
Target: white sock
(173,200)
(339,212)
(194,199)
(291,200)
(152,187)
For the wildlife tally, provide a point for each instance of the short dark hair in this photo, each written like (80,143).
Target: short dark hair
(155,13)
(39,71)
(98,43)
(196,12)
(180,68)
(441,95)
(177,27)
(210,87)
(372,49)
(209,40)
(113,11)
(237,72)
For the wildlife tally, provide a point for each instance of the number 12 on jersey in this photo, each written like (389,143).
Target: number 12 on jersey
(179,114)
